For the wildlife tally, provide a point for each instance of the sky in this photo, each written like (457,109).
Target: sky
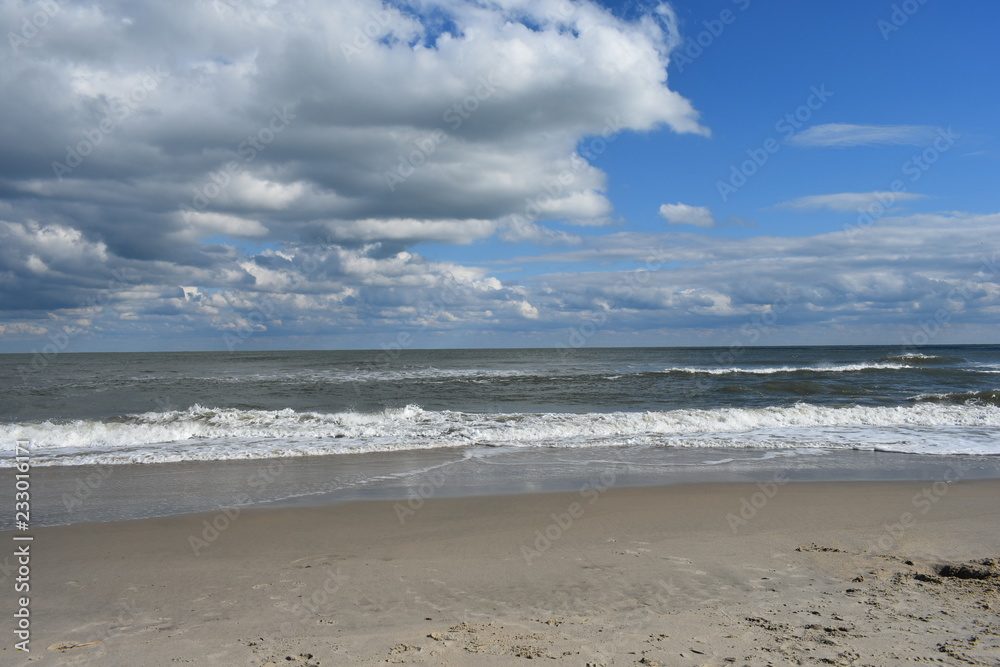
(258,174)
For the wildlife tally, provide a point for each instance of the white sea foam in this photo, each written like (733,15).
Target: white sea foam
(335,376)
(966,397)
(200,433)
(771,370)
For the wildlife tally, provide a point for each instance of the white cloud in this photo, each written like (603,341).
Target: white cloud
(518,229)
(259,121)
(848,201)
(891,275)
(206,224)
(484,129)
(21,328)
(683,214)
(35,264)
(527,311)
(252,192)
(844,134)
(885,278)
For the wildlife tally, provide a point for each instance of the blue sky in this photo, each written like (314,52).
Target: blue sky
(299,175)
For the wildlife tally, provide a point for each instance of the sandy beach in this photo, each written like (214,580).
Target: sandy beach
(847,573)
(596,333)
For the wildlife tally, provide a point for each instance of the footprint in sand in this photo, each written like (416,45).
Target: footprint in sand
(65,646)
(316,561)
(300,660)
(404,648)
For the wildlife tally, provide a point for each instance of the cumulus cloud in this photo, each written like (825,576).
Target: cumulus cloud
(683,214)
(277,171)
(847,201)
(891,275)
(267,111)
(211,145)
(888,278)
(842,135)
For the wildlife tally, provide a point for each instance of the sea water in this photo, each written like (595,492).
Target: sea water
(652,407)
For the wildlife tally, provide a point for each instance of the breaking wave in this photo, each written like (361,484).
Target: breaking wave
(932,425)
(771,370)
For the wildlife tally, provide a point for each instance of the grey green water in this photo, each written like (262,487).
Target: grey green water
(357,422)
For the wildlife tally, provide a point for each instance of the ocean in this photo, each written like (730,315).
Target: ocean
(418,410)
(154,408)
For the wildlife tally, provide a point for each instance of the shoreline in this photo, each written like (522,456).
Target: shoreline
(66,495)
(837,572)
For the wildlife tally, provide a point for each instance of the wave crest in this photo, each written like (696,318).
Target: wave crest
(772,370)
(200,433)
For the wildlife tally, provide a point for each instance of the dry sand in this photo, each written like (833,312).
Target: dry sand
(820,573)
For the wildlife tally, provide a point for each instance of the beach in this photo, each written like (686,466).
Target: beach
(584,332)
(771,573)
(620,506)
